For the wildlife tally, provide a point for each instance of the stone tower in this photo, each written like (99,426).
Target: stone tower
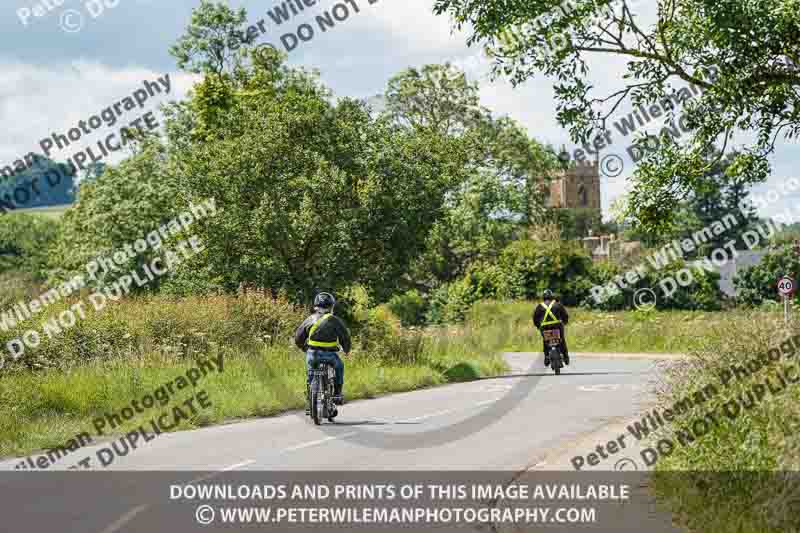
(577,187)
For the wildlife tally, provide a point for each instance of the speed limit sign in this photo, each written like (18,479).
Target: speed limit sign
(786,286)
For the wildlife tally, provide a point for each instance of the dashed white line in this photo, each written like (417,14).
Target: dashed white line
(237,465)
(431,415)
(124,519)
(226,469)
(486,402)
(318,442)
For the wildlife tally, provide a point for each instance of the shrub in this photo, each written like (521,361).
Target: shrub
(702,294)
(24,243)
(410,307)
(182,328)
(529,267)
(759,283)
(451,302)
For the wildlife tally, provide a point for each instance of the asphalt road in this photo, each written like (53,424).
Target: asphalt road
(508,427)
(454,427)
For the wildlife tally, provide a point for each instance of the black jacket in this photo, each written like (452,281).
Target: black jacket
(332,330)
(558,310)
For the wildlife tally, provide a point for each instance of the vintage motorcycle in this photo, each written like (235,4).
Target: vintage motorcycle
(552,340)
(321,393)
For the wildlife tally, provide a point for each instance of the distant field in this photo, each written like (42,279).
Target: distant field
(53,211)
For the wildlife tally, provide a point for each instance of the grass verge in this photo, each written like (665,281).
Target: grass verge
(49,401)
(624,331)
(729,463)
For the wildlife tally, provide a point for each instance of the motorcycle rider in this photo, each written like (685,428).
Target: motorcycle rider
(320,336)
(550,314)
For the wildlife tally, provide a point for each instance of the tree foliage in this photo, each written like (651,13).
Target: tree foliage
(313,194)
(743,55)
(123,204)
(506,167)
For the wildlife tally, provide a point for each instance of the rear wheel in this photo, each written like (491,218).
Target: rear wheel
(555,361)
(316,402)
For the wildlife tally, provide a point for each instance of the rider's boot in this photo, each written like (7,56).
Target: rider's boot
(338,398)
(566,359)
(546,359)
(308,399)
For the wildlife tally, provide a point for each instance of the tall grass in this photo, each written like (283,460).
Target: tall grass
(623,332)
(129,349)
(732,476)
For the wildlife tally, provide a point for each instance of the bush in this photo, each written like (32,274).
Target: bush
(529,267)
(759,284)
(702,294)
(450,302)
(410,307)
(182,328)
(24,243)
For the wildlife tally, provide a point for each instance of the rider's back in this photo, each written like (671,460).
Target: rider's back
(329,331)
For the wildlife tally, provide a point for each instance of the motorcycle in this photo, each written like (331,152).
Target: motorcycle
(552,340)
(322,392)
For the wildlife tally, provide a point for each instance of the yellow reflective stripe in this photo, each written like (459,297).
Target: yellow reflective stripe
(320,344)
(322,319)
(549,313)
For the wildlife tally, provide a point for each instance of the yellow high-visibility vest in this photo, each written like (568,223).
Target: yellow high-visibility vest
(320,344)
(548,312)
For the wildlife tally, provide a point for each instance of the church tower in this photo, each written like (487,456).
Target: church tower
(577,187)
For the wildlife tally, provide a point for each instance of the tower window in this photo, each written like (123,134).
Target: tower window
(583,197)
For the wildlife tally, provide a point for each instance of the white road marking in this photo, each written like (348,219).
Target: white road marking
(124,519)
(237,465)
(599,388)
(431,415)
(226,469)
(317,442)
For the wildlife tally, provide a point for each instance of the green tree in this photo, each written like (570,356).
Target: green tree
(313,194)
(721,197)
(215,41)
(437,97)
(506,168)
(743,55)
(121,205)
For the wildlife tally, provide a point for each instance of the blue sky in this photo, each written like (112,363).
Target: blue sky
(53,77)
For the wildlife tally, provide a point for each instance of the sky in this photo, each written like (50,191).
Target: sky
(63,61)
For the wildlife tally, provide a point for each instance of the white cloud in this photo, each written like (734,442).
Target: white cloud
(39,101)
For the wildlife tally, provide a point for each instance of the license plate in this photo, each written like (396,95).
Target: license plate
(552,337)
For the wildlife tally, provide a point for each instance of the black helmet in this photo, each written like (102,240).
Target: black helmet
(547,294)
(324,300)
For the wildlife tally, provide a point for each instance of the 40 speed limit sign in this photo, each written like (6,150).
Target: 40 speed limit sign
(787,286)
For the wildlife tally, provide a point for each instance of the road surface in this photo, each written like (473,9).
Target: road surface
(527,421)
(558,417)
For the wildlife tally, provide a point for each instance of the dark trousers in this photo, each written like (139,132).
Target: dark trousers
(559,327)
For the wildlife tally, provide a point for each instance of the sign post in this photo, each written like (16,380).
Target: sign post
(786,288)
